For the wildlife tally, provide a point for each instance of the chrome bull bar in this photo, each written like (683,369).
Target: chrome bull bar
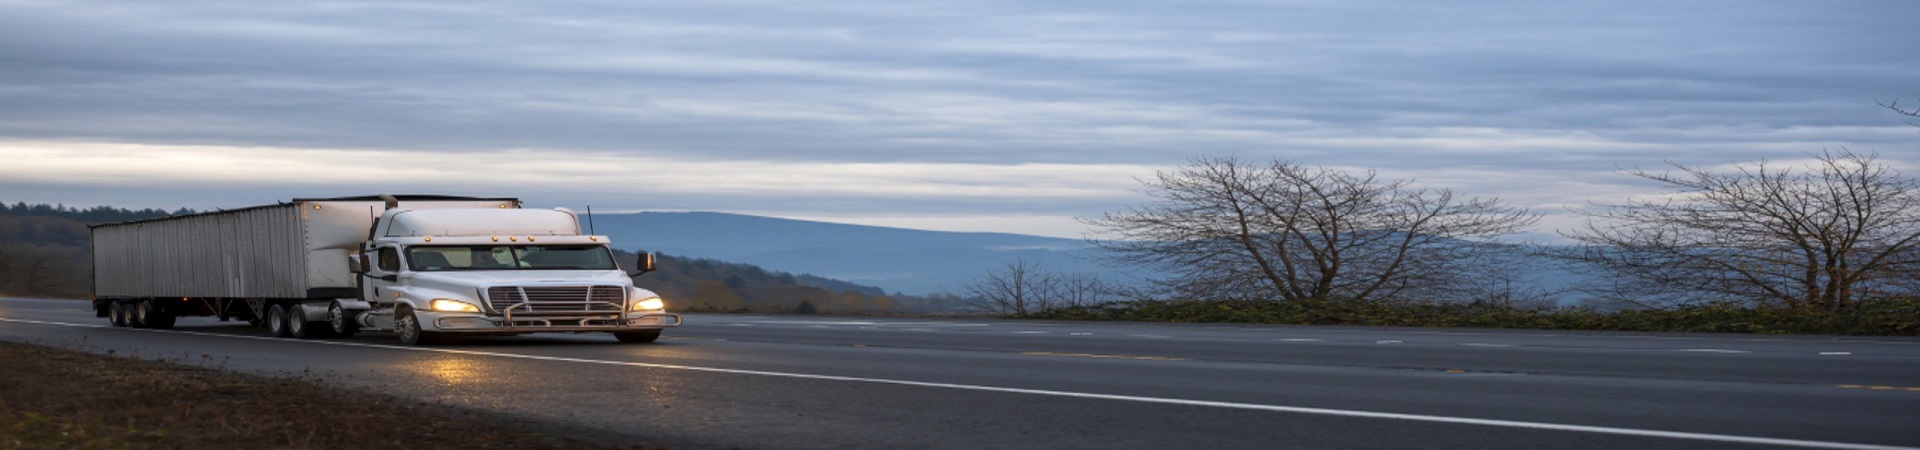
(617,319)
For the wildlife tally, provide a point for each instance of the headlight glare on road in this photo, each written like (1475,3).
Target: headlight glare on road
(649,304)
(451,305)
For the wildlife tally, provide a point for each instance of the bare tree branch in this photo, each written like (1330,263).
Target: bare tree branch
(1895,106)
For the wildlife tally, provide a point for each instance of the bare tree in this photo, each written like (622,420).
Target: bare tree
(1230,228)
(1081,289)
(1023,287)
(1845,228)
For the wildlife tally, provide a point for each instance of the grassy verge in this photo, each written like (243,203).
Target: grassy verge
(64,399)
(1884,317)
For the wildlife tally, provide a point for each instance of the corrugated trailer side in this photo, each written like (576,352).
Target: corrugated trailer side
(247,253)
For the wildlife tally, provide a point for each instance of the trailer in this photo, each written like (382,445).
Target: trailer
(425,267)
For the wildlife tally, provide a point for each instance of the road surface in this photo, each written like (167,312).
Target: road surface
(756,381)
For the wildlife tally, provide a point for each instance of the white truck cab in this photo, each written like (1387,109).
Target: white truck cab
(427,274)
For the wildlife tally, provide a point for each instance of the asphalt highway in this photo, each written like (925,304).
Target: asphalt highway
(755,381)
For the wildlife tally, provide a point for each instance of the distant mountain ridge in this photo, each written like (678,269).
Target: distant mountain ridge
(914,262)
(906,261)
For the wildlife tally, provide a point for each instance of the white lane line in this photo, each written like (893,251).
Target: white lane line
(1029,332)
(1087,395)
(1476,344)
(1711,350)
(741,324)
(1300,340)
(1155,336)
(1836,353)
(1082,334)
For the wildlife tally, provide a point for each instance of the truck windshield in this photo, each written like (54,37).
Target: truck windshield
(510,257)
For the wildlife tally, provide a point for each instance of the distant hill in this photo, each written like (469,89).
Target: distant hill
(697,284)
(914,262)
(43,248)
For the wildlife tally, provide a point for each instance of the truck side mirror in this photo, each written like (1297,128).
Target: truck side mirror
(645,262)
(357,263)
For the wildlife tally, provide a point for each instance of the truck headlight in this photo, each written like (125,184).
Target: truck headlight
(451,305)
(649,304)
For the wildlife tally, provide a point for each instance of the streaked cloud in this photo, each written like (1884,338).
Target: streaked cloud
(919,112)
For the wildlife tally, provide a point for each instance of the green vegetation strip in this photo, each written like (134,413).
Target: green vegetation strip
(64,399)
(1879,317)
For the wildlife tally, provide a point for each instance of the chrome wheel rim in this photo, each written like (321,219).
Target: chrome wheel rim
(409,330)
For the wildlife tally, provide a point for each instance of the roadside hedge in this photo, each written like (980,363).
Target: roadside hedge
(1877,317)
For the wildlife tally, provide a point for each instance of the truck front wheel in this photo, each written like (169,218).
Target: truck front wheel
(637,337)
(407,326)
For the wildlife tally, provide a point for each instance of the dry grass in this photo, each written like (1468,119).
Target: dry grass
(66,399)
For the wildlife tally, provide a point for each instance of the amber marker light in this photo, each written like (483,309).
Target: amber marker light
(428,238)
(529,238)
(513,238)
(496,239)
(316,206)
(591,238)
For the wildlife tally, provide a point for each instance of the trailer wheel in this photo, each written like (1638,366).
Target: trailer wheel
(277,320)
(408,327)
(299,328)
(117,313)
(341,321)
(147,315)
(637,337)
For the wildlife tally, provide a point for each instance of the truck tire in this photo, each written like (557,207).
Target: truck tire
(298,327)
(277,320)
(117,313)
(147,315)
(407,326)
(341,320)
(637,337)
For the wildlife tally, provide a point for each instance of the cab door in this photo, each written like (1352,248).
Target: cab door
(383,275)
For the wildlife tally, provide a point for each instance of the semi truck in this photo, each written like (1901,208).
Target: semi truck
(427,268)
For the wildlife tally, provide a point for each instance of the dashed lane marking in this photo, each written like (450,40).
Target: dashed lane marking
(1710,350)
(1710,437)
(1476,344)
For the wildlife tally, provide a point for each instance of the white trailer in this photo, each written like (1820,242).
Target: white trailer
(424,267)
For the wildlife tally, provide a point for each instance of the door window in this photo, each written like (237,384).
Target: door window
(389,259)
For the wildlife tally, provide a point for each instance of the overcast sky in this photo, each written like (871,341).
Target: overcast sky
(960,115)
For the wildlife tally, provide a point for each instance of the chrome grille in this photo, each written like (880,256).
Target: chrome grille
(544,300)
